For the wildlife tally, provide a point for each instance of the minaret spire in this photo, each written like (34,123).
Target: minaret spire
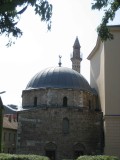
(76,59)
(60,61)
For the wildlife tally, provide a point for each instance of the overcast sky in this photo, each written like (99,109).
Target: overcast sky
(38,49)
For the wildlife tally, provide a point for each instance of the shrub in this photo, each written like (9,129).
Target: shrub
(21,157)
(99,157)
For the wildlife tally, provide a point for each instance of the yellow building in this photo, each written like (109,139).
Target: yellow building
(105,78)
(9,133)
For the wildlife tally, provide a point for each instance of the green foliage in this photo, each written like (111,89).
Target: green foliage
(10,15)
(21,157)
(110,8)
(99,157)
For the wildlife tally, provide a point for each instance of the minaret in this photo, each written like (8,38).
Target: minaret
(76,59)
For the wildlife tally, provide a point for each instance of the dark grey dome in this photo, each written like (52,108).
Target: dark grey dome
(59,77)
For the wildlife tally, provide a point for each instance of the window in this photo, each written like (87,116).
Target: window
(35,101)
(8,150)
(14,118)
(65,125)
(10,118)
(9,136)
(97,104)
(4,136)
(89,104)
(65,102)
(14,137)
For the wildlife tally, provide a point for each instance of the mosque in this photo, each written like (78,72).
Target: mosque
(61,116)
(64,117)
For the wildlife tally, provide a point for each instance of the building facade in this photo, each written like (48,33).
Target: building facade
(8,129)
(1,122)
(105,78)
(61,117)
(9,133)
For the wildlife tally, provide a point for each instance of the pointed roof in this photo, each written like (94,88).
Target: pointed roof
(1,103)
(76,43)
(9,110)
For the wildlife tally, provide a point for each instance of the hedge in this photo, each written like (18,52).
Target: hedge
(21,157)
(99,157)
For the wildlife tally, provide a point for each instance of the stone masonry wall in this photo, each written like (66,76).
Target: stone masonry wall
(40,127)
(54,98)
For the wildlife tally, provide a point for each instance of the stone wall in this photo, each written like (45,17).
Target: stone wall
(54,98)
(9,140)
(41,130)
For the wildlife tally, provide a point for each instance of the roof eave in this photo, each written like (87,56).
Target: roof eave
(112,28)
(94,49)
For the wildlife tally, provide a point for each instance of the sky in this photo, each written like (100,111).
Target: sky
(38,48)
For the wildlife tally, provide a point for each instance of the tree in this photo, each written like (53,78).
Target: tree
(110,7)
(11,10)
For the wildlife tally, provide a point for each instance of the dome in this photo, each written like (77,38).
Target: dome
(59,77)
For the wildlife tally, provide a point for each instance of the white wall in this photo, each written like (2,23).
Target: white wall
(105,78)
(112,75)
(97,78)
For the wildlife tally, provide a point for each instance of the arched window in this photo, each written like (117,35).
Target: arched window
(35,101)
(65,125)
(89,104)
(65,102)
(97,104)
